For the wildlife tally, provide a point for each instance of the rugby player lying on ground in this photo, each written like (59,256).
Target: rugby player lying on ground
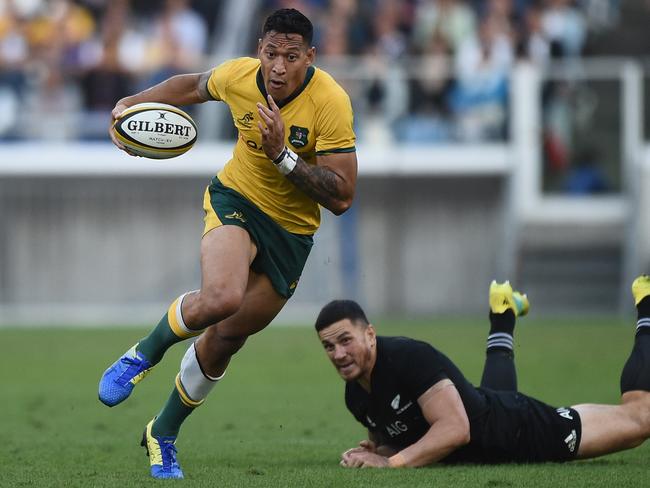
(419,408)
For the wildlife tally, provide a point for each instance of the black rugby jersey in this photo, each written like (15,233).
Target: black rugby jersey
(505,426)
(404,370)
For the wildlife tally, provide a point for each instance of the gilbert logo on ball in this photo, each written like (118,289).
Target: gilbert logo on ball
(156,130)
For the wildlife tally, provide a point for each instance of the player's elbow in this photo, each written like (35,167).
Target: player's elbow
(462,432)
(339,209)
(464,438)
(458,432)
(340,205)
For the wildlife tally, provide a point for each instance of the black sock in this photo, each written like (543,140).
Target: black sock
(502,327)
(502,322)
(499,372)
(643,317)
(636,372)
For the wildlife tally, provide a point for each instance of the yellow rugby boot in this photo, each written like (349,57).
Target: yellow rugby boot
(503,297)
(640,288)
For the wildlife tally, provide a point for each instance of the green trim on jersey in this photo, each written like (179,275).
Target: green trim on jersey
(337,151)
(259,79)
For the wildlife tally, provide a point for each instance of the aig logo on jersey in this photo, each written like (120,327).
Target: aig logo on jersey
(298,136)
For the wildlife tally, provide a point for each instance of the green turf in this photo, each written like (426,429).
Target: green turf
(278,418)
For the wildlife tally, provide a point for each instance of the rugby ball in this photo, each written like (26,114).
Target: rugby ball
(155,130)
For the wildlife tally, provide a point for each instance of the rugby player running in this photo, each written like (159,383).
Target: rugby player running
(419,408)
(295,151)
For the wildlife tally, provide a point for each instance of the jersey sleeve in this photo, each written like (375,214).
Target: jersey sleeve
(335,126)
(423,368)
(219,78)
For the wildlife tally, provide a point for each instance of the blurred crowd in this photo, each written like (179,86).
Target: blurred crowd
(458,54)
(74,59)
(437,70)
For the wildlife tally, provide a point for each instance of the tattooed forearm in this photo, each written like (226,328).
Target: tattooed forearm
(319,183)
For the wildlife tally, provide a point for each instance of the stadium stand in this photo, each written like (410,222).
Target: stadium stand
(433,84)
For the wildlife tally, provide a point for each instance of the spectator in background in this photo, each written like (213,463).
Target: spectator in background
(534,45)
(565,27)
(178,42)
(361,27)
(77,30)
(387,93)
(108,78)
(333,37)
(57,33)
(479,100)
(13,45)
(13,58)
(503,16)
(454,20)
(390,38)
(429,89)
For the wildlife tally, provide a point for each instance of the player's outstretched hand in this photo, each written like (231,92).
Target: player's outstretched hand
(361,458)
(115,114)
(272,129)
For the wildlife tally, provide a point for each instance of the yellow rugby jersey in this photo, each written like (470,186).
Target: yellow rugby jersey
(317,120)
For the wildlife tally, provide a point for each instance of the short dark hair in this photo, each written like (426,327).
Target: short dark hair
(339,310)
(289,21)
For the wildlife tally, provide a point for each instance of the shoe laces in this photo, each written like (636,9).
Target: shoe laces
(133,365)
(168,453)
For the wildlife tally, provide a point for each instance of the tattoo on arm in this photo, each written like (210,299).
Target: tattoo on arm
(317,182)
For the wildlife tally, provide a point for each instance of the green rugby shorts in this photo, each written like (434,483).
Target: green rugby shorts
(281,255)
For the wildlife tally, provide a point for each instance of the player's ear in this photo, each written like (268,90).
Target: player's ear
(259,47)
(371,334)
(311,55)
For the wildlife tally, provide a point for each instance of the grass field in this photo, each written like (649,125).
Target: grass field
(278,418)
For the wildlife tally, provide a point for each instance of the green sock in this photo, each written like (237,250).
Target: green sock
(161,338)
(170,418)
(170,330)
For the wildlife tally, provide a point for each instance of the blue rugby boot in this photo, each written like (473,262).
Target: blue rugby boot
(162,454)
(120,378)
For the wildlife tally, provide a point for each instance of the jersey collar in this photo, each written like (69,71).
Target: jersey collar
(260,85)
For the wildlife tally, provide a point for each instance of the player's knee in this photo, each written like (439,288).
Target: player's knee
(645,422)
(639,412)
(217,305)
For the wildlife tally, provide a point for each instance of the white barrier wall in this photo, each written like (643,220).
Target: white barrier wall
(100,248)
